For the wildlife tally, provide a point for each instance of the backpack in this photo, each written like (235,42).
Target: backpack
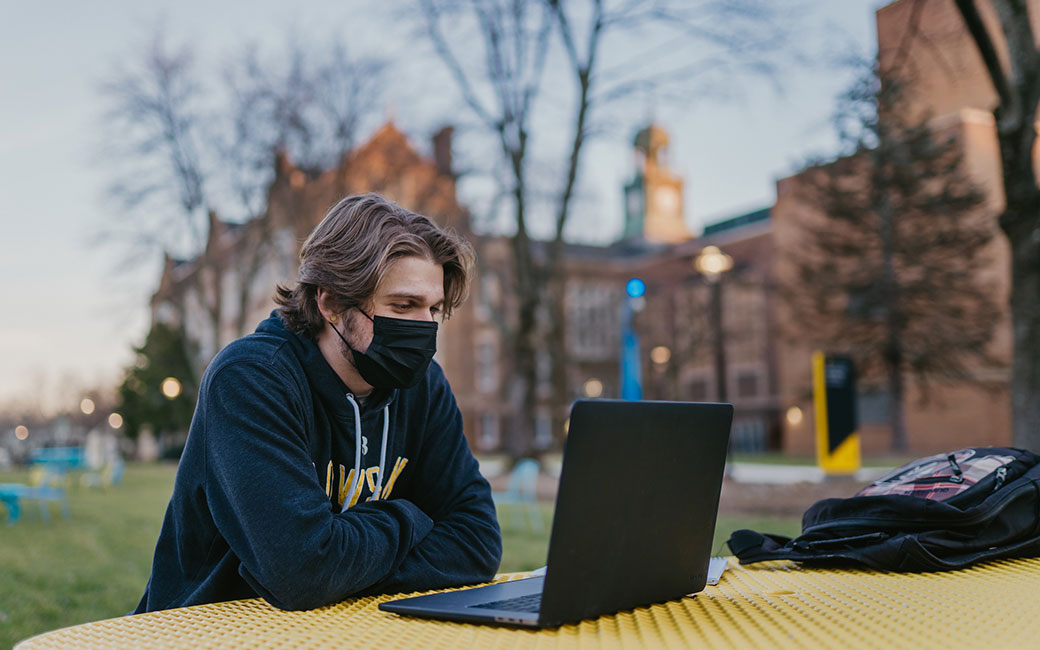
(942,512)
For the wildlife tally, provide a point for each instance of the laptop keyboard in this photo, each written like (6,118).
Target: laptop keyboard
(528,603)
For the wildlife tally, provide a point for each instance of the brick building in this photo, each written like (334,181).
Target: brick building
(766,358)
(686,325)
(945,82)
(247,260)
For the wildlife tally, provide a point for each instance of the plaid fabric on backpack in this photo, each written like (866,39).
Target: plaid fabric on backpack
(942,512)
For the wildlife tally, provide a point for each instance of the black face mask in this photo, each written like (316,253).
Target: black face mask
(399,354)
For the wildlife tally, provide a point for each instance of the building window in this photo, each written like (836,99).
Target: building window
(698,390)
(748,435)
(543,434)
(489,432)
(487,367)
(594,320)
(543,370)
(489,296)
(747,384)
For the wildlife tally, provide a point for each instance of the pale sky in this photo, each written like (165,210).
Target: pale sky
(70,314)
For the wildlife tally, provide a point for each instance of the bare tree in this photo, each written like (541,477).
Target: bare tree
(153,128)
(498,54)
(308,104)
(887,272)
(178,162)
(1016,79)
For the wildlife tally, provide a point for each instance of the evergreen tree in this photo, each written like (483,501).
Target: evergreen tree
(142,401)
(887,269)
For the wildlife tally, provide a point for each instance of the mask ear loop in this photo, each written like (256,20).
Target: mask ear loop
(332,320)
(364,313)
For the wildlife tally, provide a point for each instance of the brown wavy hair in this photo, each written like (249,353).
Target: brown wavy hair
(352,249)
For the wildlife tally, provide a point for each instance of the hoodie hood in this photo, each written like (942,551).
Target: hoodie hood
(327,385)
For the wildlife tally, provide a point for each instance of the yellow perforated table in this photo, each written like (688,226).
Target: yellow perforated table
(768,605)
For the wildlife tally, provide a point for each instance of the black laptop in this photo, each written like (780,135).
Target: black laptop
(635,517)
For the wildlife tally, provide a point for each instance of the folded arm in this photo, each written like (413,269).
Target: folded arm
(465,544)
(265,498)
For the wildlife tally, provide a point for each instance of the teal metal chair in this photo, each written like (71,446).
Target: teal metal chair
(14,495)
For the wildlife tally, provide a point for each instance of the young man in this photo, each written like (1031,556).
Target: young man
(326,456)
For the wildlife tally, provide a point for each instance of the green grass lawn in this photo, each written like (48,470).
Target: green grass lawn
(94,565)
(524,549)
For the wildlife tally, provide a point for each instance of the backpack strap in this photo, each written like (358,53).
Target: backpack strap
(752,546)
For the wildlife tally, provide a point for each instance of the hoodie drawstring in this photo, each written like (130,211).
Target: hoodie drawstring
(382,455)
(357,453)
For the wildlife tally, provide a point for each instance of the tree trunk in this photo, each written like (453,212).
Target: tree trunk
(1018,88)
(718,341)
(894,319)
(1024,236)
(524,384)
(1021,223)
(527,281)
(897,410)
(560,356)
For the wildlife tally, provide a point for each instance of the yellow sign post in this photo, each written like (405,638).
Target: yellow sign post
(834,402)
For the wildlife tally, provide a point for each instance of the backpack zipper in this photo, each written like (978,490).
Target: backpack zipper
(990,512)
(957,473)
(1001,477)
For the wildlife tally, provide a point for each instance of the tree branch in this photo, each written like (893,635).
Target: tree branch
(970,14)
(1024,77)
(431,14)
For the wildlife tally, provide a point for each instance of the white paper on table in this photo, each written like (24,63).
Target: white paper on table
(716,566)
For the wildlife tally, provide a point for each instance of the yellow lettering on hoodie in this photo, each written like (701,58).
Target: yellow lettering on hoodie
(398,466)
(344,484)
(370,477)
(357,492)
(328,482)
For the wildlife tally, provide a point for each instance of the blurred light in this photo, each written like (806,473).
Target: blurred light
(171,388)
(566,426)
(635,288)
(794,416)
(660,355)
(115,420)
(86,406)
(712,262)
(21,432)
(593,388)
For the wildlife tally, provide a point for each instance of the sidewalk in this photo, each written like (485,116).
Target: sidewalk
(741,472)
(764,473)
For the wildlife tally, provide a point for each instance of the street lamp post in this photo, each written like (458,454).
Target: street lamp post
(712,263)
(631,370)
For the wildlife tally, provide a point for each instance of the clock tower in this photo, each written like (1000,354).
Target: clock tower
(653,199)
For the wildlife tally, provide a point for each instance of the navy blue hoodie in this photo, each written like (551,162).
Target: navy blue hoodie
(269,460)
